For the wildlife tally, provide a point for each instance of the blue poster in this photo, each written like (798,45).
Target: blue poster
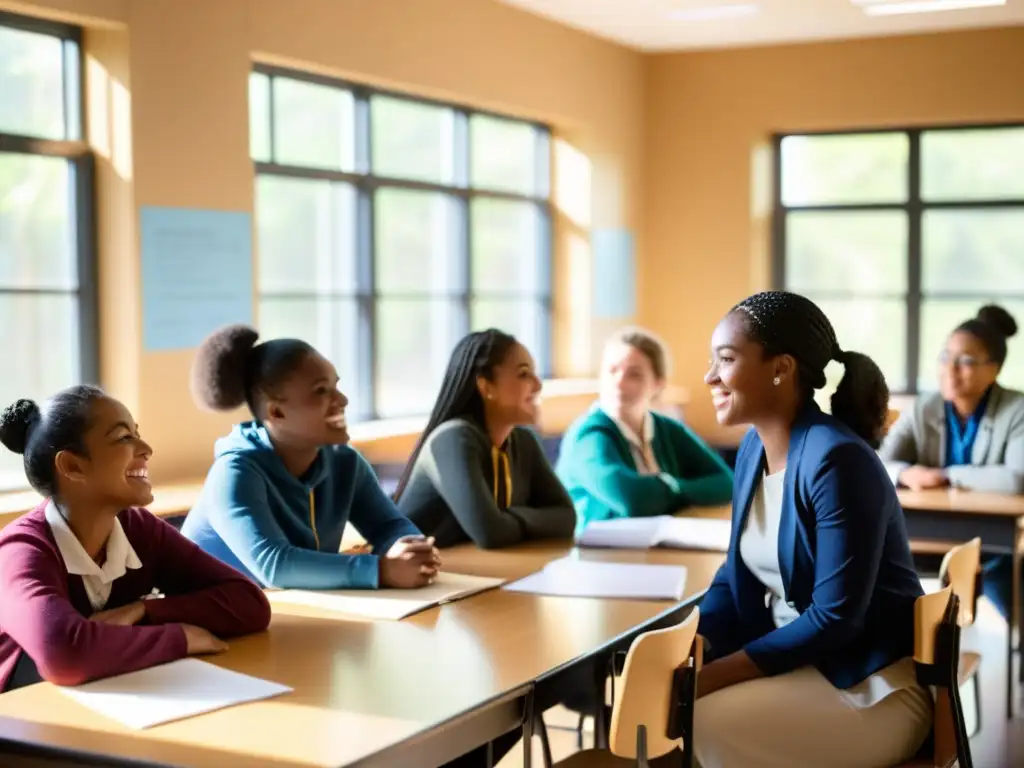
(614,273)
(196,274)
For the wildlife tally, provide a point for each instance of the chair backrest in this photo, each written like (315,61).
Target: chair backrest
(937,658)
(961,570)
(646,694)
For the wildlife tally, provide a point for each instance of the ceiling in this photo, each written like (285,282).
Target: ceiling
(665,25)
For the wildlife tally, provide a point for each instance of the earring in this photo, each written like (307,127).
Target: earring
(490,395)
(776,381)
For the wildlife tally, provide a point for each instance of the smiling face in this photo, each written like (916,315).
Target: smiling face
(742,377)
(966,368)
(113,470)
(307,408)
(511,395)
(628,382)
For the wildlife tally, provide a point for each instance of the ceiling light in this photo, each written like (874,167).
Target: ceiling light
(713,12)
(927,6)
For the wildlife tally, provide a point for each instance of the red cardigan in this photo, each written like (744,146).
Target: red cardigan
(44,610)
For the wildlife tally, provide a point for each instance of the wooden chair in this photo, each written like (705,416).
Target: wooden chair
(937,659)
(961,570)
(652,716)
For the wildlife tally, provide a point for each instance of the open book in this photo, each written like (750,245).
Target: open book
(701,533)
(391,604)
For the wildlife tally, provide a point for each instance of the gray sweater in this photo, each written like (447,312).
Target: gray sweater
(997,458)
(455,495)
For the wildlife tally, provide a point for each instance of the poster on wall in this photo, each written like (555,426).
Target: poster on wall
(196,274)
(614,273)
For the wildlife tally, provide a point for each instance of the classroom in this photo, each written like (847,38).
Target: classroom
(384,181)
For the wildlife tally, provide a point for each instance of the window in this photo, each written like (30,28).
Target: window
(902,235)
(47,285)
(388,227)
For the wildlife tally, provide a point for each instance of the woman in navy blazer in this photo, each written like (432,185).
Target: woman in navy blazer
(810,621)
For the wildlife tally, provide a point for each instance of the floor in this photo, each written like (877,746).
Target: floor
(999,743)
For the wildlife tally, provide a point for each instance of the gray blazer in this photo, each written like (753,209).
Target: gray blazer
(997,459)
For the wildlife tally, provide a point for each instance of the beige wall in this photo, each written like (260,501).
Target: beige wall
(168,89)
(707,181)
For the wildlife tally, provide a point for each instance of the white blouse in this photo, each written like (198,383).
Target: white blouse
(759,548)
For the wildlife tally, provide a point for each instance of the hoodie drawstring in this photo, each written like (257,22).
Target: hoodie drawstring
(312,519)
(498,455)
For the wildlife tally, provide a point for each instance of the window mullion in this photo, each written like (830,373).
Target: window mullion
(915,212)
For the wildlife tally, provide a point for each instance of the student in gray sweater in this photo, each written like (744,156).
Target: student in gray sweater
(478,473)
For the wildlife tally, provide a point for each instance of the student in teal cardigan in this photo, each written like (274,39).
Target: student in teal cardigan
(621,459)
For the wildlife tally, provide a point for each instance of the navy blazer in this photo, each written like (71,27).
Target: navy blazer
(843,554)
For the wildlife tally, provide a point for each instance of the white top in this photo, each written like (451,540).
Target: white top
(640,445)
(97,579)
(759,548)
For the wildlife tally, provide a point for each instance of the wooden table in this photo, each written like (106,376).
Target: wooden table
(415,692)
(954,516)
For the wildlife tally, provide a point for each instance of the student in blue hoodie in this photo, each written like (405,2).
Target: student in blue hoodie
(284,485)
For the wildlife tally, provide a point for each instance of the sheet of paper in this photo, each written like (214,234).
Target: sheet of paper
(171,691)
(387,603)
(695,533)
(572,577)
(622,533)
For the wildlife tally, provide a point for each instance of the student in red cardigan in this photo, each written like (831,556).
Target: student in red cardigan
(91,584)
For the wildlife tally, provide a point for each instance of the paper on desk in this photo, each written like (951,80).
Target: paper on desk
(662,531)
(173,691)
(387,603)
(572,577)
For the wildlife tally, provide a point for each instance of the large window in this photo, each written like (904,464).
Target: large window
(388,227)
(902,235)
(47,286)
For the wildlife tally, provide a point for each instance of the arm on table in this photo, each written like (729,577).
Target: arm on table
(550,513)
(374,514)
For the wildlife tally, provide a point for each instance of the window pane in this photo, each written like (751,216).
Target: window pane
(418,242)
(982,164)
(306,233)
(32,84)
(503,155)
(42,322)
(511,244)
(938,319)
(526,319)
(852,251)
(875,327)
(848,168)
(37,235)
(330,325)
(259,117)
(314,125)
(412,140)
(415,338)
(973,251)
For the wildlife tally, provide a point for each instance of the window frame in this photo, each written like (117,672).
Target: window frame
(76,150)
(366,184)
(914,208)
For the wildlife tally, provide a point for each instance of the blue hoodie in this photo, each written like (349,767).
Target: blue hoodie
(283,531)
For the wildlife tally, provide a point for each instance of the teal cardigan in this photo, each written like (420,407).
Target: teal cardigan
(597,468)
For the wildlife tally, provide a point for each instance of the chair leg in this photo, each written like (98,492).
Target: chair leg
(977,702)
(579,731)
(541,730)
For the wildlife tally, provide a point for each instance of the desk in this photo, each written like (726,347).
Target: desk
(375,693)
(957,516)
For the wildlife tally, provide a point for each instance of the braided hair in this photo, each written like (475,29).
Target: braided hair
(992,326)
(786,323)
(475,356)
(230,368)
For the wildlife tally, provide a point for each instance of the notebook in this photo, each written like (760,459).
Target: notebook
(700,533)
(387,604)
(572,577)
(168,692)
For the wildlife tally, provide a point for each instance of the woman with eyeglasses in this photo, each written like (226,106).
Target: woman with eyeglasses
(970,434)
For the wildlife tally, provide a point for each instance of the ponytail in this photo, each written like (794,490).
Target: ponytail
(862,399)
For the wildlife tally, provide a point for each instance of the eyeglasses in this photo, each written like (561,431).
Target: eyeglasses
(961,361)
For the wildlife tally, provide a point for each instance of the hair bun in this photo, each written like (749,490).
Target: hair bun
(16,424)
(998,318)
(219,367)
